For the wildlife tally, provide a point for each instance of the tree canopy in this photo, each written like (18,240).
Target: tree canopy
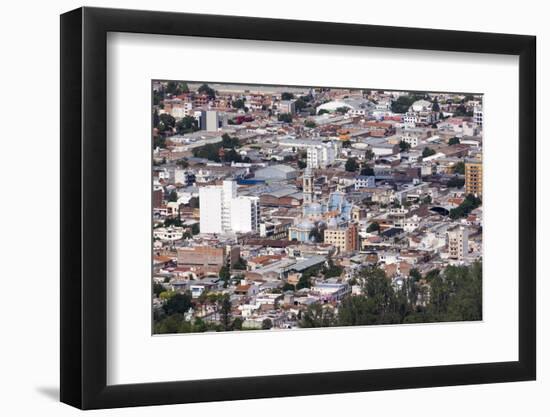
(452,295)
(205,89)
(427,152)
(285,117)
(351,165)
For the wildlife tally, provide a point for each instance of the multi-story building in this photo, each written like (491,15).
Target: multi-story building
(275,229)
(158,197)
(183,177)
(411,139)
(478,116)
(287,106)
(181,110)
(420,112)
(320,156)
(457,243)
(307,184)
(208,257)
(222,211)
(473,173)
(170,233)
(212,120)
(346,239)
(365,181)
(245,214)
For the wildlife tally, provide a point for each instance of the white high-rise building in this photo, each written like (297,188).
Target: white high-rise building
(478,116)
(458,243)
(212,120)
(245,214)
(222,211)
(320,156)
(211,204)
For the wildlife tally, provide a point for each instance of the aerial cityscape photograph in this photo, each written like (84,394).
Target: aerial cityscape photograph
(290,207)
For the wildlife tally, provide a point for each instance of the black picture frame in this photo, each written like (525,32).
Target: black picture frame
(84,207)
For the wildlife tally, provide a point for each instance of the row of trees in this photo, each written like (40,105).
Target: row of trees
(352,165)
(454,294)
(167,124)
(470,203)
(221,151)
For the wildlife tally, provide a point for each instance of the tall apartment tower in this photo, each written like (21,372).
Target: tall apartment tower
(222,211)
(346,239)
(478,116)
(307,185)
(473,173)
(457,243)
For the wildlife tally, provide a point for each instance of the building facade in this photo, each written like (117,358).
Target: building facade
(457,243)
(222,211)
(208,257)
(320,156)
(473,173)
(346,239)
(478,117)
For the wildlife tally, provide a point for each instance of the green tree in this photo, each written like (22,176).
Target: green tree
(459,168)
(158,288)
(300,104)
(342,110)
(205,89)
(454,141)
(195,229)
(285,117)
(267,324)
(367,171)
(182,163)
(402,103)
(404,146)
(225,312)
(240,264)
(287,96)
(178,303)
(176,88)
(173,196)
(455,182)
(156,118)
(225,275)
(159,142)
(237,323)
(167,120)
(379,305)
(310,124)
(172,324)
(332,270)
(317,234)
(427,152)
(304,281)
(351,165)
(238,104)
(369,154)
(373,227)
(187,124)
(199,325)
(435,106)
(230,142)
(470,203)
(317,315)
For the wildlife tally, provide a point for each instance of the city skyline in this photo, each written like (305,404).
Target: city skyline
(278,207)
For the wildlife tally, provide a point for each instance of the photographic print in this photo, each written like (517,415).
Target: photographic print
(293,207)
